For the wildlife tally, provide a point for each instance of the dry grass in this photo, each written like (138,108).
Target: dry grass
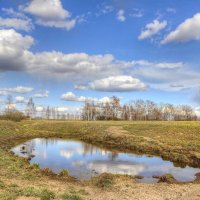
(176,141)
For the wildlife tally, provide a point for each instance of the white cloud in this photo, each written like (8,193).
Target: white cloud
(84,68)
(62,109)
(117,167)
(13,50)
(73,66)
(80,87)
(69,96)
(20,99)
(162,65)
(47,9)
(39,108)
(19,90)
(44,94)
(12,13)
(104,100)
(118,84)
(166,76)
(152,28)
(104,9)
(15,56)
(170,65)
(19,24)
(3,93)
(188,30)
(50,13)
(58,24)
(138,13)
(10,106)
(121,15)
(197,111)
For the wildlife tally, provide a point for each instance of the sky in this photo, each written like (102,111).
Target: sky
(62,52)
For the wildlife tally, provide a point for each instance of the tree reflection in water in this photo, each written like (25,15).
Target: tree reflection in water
(84,160)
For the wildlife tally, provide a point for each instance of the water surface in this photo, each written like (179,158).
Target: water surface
(84,160)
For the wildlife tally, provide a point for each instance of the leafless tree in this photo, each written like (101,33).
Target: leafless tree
(30,109)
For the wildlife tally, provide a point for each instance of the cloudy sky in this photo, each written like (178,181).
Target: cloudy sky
(61,52)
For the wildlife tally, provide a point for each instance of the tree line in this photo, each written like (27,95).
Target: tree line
(137,110)
(30,111)
(110,110)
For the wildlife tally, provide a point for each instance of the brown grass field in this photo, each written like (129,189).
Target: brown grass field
(175,141)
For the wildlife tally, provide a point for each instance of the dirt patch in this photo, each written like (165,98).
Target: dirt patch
(117,131)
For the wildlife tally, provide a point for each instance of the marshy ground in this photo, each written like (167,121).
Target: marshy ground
(175,141)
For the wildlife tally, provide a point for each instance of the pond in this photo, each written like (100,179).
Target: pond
(84,161)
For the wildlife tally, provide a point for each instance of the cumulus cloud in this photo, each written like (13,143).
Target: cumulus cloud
(44,94)
(49,9)
(19,90)
(188,30)
(58,24)
(19,24)
(121,15)
(152,28)
(13,50)
(19,99)
(69,96)
(50,13)
(166,76)
(82,68)
(15,56)
(118,84)
(12,13)
(74,66)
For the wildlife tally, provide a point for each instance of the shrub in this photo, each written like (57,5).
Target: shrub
(63,173)
(35,166)
(47,171)
(105,180)
(47,195)
(68,196)
(13,115)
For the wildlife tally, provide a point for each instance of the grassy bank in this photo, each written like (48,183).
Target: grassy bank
(176,141)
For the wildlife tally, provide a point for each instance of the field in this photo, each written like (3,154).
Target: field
(175,141)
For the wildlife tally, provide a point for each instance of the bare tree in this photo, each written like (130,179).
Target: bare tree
(30,110)
(10,106)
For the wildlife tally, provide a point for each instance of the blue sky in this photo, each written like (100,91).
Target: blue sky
(63,52)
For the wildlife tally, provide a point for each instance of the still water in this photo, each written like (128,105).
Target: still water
(84,160)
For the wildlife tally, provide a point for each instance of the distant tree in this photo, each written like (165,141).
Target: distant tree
(30,109)
(48,112)
(136,110)
(115,103)
(10,106)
